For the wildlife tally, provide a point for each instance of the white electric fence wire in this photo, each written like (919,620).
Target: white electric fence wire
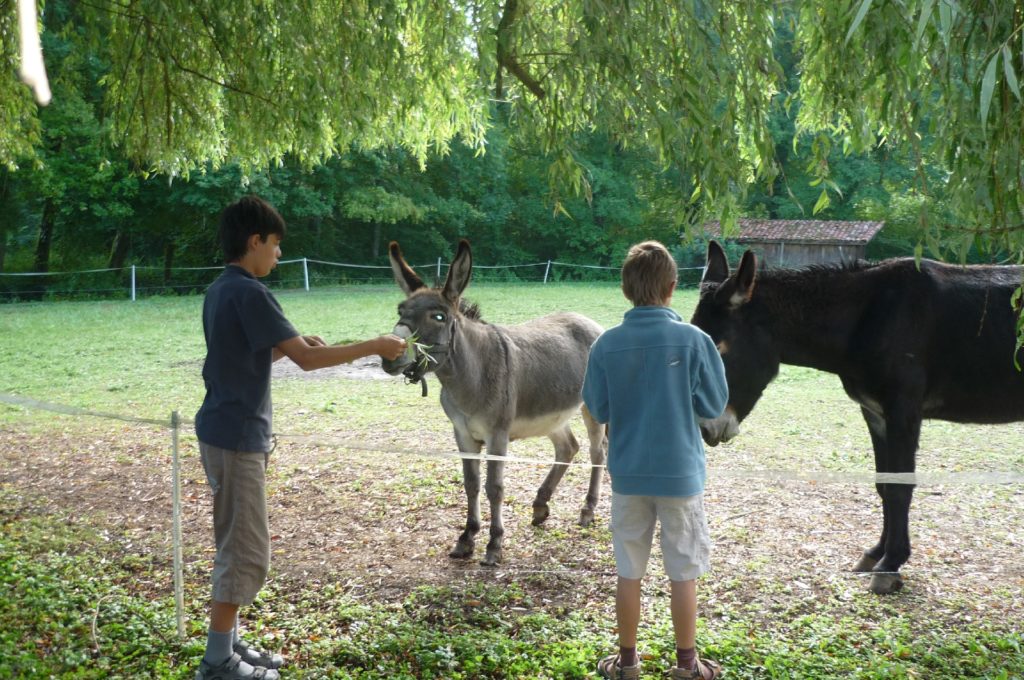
(815,476)
(175,422)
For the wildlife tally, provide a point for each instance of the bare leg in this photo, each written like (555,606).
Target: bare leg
(627,610)
(684,613)
(219,637)
(223,616)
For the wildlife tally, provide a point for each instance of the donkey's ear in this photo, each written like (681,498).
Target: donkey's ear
(458,273)
(745,276)
(405,277)
(717,269)
(738,288)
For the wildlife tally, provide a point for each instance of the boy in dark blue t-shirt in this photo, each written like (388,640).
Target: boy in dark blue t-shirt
(246,331)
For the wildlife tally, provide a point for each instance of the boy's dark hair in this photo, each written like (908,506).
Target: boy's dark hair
(247,216)
(648,274)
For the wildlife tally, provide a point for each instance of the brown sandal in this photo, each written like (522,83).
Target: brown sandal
(707,669)
(609,667)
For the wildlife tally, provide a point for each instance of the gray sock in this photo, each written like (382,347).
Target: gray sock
(235,635)
(218,647)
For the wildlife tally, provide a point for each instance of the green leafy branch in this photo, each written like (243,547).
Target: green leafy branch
(420,352)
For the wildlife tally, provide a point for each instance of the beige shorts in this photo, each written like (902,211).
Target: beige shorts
(240,527)
(685,542)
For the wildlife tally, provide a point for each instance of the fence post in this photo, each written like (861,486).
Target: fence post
(133,283)
(305,273)
(438,268)
(179,596)
(546,271)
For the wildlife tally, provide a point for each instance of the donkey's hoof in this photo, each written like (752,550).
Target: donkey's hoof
(492,559)
(865,563)
(886,583)
(540,513)
(586,517)
(462,550)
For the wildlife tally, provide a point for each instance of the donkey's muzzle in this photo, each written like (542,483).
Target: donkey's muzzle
(720,429)
(398,366)
(407,360)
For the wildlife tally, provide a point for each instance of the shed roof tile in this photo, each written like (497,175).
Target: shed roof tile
(805,231)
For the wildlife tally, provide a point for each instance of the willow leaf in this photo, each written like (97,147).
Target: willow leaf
(822,202)
(865,5)
(922,21)
(988,85)
(1011,75)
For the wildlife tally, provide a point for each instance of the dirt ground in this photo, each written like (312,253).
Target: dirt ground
(381,525)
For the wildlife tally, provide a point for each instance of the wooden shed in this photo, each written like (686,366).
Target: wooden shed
(795,243)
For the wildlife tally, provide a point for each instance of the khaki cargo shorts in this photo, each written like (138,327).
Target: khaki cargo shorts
(685,542)
(240,528)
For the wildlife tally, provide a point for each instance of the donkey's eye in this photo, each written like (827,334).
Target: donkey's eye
(438,316)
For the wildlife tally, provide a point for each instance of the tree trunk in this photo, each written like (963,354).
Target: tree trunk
(118,250)
(168,262)
(375,247)
(42,259)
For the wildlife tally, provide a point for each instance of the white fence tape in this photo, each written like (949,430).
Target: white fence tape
(133,287)
(174,423)
(815,476)
(15,400)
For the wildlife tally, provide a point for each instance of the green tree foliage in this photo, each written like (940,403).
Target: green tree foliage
(19,125)
(72,177)
(864,185)
(705,90)
(938,78)
(198,82)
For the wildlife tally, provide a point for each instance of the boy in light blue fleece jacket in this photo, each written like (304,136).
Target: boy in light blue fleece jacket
(651,378)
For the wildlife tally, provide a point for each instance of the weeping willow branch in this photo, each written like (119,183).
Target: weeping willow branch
(506,57)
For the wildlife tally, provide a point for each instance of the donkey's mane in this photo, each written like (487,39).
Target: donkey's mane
(814,272)
(805,274)
(816,283)
(470,310)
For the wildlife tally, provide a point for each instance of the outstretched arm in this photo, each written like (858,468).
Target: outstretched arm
(310,352)
(314,340)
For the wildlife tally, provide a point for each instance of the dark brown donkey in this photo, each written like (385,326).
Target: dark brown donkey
(498,383)
(908,342)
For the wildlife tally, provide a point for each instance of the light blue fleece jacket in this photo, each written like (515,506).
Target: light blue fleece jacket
(650,378)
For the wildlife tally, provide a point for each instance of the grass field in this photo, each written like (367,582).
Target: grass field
(362,521)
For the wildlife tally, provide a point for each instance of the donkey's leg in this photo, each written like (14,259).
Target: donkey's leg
(876,428)
(598,435)
(497,445)
(898,438)
(471,482)
(903,429)
(566,447)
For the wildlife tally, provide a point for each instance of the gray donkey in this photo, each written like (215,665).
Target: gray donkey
(498,383)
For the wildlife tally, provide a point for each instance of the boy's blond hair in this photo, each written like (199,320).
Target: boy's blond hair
(648,274)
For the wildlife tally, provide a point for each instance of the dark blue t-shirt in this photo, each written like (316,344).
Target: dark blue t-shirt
(242,323)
